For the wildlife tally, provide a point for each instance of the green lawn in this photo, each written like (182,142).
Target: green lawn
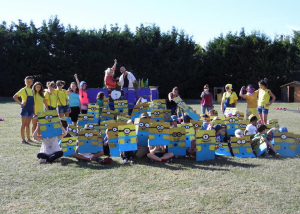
(226,185)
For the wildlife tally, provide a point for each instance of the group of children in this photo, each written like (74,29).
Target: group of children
(71,103)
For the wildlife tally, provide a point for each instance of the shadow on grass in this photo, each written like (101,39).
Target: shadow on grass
(4,100)
(65,161)
(186,163)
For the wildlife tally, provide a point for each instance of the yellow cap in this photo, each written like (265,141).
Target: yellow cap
(252,115)
(229,86)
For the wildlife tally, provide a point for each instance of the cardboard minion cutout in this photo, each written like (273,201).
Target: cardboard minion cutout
(189,133)
(72,130)
(259,146)
(189,111)
(113,139)
(205,144)
(142,130)
(243,124)
(232,124)
(241,147)
(157,115)
(127,138)
(240,115)
(89,141)
(104,126)
(197,124)
(121,106)
(297,141)
(274,122)
(106,102)
(158,104)
(221,123)
(94,110)
(107,114)
(138,110)
(50,125)
(285,144)
(159,134)
(177,141)
(68,146)
(94,126)
(122,119)
(85,119)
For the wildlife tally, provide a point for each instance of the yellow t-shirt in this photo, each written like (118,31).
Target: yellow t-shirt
(23,94)
(62,97)
(38,103)
(252,99)
(264,97)
(51,99)
(233,97)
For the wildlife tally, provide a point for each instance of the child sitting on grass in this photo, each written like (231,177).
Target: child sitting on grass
(160,154)
(266,138)
(251,128)
(50,150)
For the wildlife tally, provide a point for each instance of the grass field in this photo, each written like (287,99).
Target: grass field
(226,185)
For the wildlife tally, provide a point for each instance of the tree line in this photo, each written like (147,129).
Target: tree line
(167,59)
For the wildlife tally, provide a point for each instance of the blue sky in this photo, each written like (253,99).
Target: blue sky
(203,20)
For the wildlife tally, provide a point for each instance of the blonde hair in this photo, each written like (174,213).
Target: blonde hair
(108,71)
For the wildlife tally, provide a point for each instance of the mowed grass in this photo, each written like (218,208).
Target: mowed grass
(225,185)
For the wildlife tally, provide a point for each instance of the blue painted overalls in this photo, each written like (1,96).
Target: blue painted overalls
(226,102)
(27,110)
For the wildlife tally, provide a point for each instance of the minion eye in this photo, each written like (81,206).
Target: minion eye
(50,116)
(46,117)
(239,142)
(141,107)
(158,127)
(126,131)
(123,104)
(179,134)
(91,126)
(74,130)
(205,137)
(283,136)
(147,125)
(85,117)
(105,124)
(243,141)
(91,135)
(174,134)
(114,129)
(141,124)
(180,103)
(233,120)
(119,104)
(196,125)
(86,134)
(108,112)
(158,103)
(69,129)
(238,115)
(162,127)
(187,127)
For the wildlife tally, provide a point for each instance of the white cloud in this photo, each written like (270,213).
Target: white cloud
(293,27)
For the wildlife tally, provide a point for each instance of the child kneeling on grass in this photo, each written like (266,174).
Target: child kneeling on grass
(160,154)
(50,150)
(266,138)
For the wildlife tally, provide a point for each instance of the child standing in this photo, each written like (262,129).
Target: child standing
(100,101)
(83,96)
(264,100)
(27,108)
(74,103)
(207,100)
(50,96)
(62,99)
(251,97)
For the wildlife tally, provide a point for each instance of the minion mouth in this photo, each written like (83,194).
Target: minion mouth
(160,131)
(49,121)
(176,140)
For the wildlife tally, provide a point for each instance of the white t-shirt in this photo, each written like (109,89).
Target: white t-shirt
(130,77)
(251,129)
(50,145)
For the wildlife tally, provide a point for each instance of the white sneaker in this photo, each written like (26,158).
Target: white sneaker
(43,161)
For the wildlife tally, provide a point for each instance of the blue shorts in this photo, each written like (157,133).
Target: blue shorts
(262,110)
(63,109)
(26,113)
(51,108)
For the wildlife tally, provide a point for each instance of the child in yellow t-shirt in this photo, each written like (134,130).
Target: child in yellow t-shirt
(50,96)
(264,100)
(229,98)
(251,97)
(62,99)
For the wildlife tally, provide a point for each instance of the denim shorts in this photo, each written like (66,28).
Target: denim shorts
(26,113)
(63,109)
(51,108)
(262,110)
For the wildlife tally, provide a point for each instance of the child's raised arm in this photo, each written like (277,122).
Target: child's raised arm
(271,130)
(241,92)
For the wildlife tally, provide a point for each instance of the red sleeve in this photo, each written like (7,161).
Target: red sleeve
(109,82)
(113,68)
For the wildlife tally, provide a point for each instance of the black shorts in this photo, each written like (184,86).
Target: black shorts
(159,154)
(75,111)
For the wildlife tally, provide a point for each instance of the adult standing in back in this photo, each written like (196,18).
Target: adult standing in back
(229,98)
(127,79)
(171,103)
(83,96)
(207,100)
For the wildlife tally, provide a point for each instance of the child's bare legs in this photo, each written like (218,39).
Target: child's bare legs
(153,157)
(167,156)
(25,127)
(67,114)
(261,118)
(61,115)
(80,157)
(265,117)
(74,123)
(98,154)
